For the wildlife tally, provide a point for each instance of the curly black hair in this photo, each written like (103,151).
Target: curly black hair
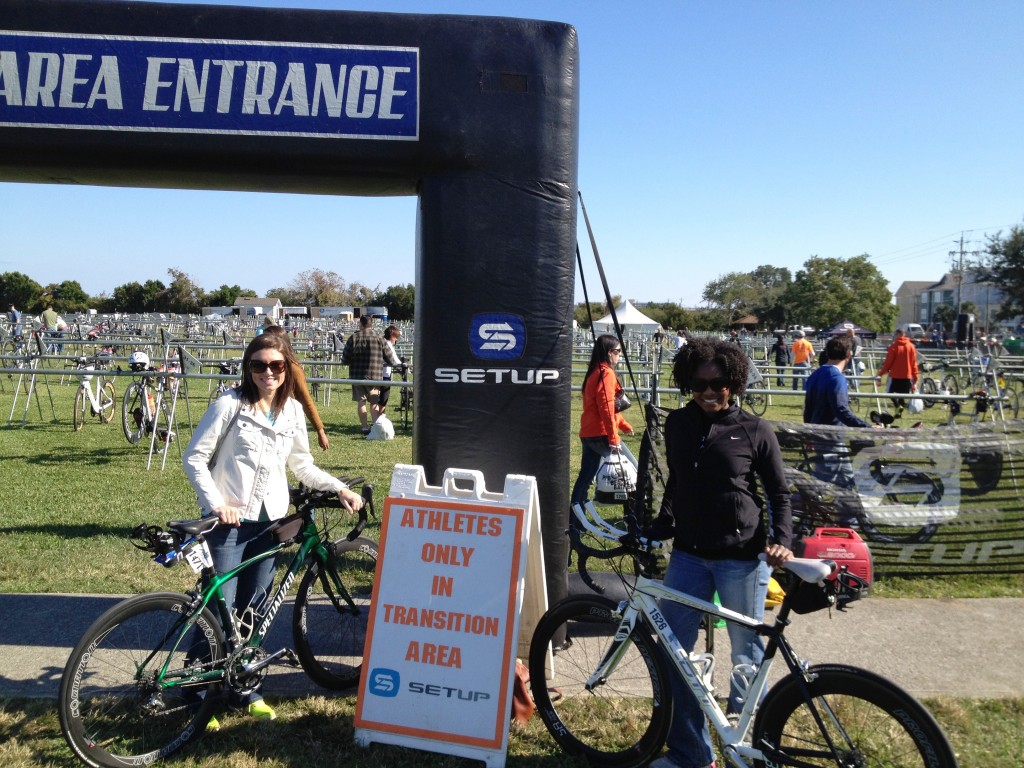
(726,355)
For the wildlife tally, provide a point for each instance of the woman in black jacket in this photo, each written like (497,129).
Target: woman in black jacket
(722,520)
(783,357)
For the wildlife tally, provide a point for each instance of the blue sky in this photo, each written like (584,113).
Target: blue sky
(714,137)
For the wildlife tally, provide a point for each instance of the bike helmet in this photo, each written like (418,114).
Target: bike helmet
(138,361)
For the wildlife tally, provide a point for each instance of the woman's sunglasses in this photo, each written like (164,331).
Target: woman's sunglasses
(260,366)
(699,385)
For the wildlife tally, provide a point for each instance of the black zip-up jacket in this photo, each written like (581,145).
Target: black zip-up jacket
(712,492)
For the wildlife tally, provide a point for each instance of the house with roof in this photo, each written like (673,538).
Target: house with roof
(249,306)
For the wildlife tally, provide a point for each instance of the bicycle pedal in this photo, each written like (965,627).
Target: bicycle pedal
(290,658)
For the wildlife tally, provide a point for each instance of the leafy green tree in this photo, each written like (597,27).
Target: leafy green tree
(944,315)
(182,296)
(771,283)
(135,297)
(225,296)
(670,315)
(732,295)
(826,291)
(21,291)
(67,297)
(597,310)
(1004,267)
(400,301)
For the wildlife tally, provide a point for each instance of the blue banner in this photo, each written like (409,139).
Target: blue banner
(208,86)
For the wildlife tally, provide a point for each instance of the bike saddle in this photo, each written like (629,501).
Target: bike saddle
(884,419)
(195,527)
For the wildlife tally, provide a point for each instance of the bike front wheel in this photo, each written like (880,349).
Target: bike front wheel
(107,397)
(623,720)
(869,722)
(125,696)
(330,630)
(81,403)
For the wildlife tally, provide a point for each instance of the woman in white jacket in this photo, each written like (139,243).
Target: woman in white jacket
(236,462)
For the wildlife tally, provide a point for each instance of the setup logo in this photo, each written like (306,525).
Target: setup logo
(384,682)
(497,336)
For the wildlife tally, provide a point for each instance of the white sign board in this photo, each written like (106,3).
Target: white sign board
(443,627)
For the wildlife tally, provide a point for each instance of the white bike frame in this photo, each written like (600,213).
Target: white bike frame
(86,373)
(644,601)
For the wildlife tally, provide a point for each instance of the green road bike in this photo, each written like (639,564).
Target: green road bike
(148,675)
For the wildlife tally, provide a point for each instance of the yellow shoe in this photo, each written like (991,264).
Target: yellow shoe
(213,725)
(260,709)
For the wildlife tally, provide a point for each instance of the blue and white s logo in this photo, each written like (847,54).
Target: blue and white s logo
(384,682)
(497,336)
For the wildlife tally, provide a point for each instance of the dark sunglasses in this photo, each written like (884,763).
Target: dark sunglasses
(718,384)
(260,366)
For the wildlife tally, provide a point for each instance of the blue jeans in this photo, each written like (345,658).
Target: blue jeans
(229,546)
(742,586)
(802,372)
(595,451)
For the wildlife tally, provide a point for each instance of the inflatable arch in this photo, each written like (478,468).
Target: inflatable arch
(476,116)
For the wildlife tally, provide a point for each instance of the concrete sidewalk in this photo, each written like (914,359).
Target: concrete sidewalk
(963,648)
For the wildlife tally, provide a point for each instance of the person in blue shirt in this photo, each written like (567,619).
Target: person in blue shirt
(827,401)
(827,395)
(15,317)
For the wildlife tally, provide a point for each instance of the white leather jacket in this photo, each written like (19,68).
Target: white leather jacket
(249,471)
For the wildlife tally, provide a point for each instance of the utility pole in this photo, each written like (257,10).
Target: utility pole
(958,266)
(957,258)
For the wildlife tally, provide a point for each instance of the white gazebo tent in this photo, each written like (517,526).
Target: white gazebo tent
(630,319)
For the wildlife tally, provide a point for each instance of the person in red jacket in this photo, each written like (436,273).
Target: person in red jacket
(901,365)
(599,424)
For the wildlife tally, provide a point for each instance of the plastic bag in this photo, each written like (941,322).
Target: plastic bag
(616,479)
(915,405)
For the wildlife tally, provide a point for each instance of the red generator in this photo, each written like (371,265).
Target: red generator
(843,545)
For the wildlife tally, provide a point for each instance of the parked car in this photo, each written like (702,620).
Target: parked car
(913,330)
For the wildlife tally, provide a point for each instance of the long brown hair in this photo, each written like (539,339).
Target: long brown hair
(249,391)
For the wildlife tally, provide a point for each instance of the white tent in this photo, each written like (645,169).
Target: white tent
(630,319)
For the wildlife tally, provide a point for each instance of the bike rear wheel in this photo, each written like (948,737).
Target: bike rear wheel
(624,720)
(118,704)
(329,633)
(929,387)
(81,403)
(135,416)
(871,721)
(755,399)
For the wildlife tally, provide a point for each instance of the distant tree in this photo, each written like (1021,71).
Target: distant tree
(670,315)
(1004,266)
(67,297)
(318,288)
(135,297)
(21,291)
(183,296)
(400,301)
(225,296)
(359,295)
(771,283)
(944,315)
(583,316)
(826,291)
(732,295)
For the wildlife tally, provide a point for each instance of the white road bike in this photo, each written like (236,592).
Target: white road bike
(99,403)
(600,675)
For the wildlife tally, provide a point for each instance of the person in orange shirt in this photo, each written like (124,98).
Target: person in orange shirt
(901,365)
(600,423)
(803,351)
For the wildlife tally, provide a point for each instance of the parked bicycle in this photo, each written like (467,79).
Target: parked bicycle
(148,675)
(145,404)
(600,676)
(99,403)
(228,368)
